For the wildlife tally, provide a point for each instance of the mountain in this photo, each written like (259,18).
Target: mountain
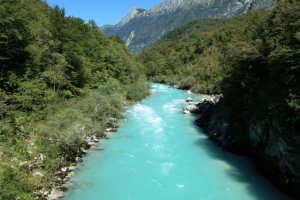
(140,28)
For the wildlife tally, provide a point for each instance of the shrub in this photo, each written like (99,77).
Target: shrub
(187,83)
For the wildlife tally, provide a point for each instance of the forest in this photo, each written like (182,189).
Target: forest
(61,79)
(254,64)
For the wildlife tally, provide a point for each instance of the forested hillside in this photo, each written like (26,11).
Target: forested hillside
(198,26)
(60,79)
(255,64)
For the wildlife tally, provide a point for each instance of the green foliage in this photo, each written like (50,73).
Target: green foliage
(196,27)
(117,39)
(194,60)
(60,79)
(264,64)
(13,183)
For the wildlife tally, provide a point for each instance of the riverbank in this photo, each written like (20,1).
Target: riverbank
(274,149)
(41,161)
(92,142)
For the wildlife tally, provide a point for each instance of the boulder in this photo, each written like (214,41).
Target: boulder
(176,86)
(95,140)
(59,173)
(189,99)
(91,144)
(111,130)
(83,151)
(78,159)
(112,123)
(191,108)
(204,105)
(189,92)
(186,112)
(63,188)
(112,119)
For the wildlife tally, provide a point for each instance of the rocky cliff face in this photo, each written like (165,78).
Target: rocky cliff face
(275,150)
(140,28)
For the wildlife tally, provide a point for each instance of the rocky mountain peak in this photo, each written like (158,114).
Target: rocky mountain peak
(131,14)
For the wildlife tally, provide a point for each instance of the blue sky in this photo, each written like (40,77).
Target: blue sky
(102,11)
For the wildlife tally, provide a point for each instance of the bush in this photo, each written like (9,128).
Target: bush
(187,83)
(210,88)
(138,91)
(203,89)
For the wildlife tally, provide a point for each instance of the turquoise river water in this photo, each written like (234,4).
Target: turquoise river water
(159,154)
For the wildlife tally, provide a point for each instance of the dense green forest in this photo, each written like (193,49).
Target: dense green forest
(192,60)
(255,64)
(60,79)
(197,27)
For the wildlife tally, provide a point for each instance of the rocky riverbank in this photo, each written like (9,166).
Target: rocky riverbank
(62,177)
(58,182)
(275,150)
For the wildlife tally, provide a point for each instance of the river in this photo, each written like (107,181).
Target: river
(159,154)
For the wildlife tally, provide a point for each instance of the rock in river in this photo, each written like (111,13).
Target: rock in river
(186,112)
(189,99)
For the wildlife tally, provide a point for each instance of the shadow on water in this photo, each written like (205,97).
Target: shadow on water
(242,169)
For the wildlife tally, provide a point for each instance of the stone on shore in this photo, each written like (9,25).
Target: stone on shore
(55,194)
(191,108)
(63,188)
(111,130)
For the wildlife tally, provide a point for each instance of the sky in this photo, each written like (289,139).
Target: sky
(101,11)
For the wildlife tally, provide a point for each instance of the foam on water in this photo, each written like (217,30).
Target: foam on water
(158,153)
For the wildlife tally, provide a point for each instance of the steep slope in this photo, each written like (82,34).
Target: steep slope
(140,28)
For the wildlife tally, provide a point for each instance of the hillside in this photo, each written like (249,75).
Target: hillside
(198,26)
(140,28)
